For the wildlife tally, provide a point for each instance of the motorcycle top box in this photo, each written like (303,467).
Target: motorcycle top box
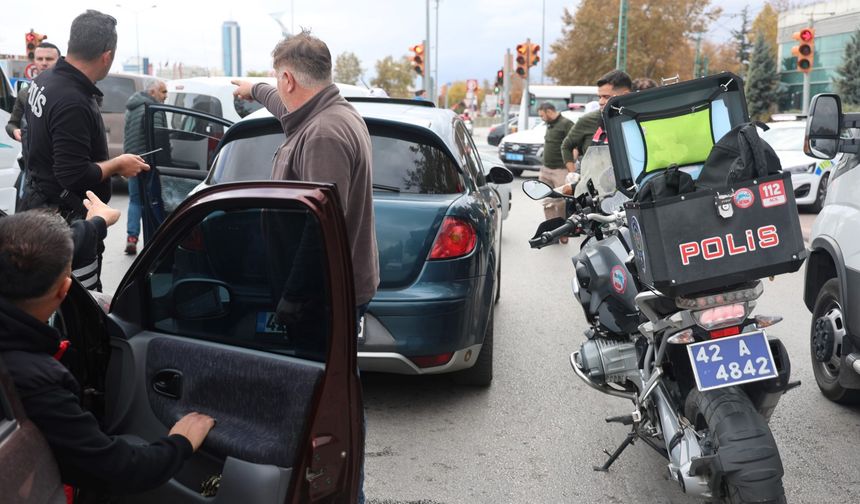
(709,238)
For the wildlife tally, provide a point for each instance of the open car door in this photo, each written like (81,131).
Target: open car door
(182,144)
(242,307)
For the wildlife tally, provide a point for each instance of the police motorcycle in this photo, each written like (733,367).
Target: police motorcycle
(669,288)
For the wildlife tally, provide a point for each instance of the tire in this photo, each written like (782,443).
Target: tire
(516,171)
(826,343)
(481,374)
(747,459)
(820,194)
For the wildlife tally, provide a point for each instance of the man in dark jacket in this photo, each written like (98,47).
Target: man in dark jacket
(67,147)
(553,170)
(36,251)
(134,142)
(45,57)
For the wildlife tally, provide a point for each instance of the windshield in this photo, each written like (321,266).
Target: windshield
(785,139)
(402,165)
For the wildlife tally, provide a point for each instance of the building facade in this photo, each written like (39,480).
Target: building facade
(231,47)
(834,22)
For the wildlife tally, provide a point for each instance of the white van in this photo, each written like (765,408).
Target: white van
(563,98)
(214,95)
(9,148)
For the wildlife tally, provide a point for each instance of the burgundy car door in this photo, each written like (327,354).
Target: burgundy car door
(242,307)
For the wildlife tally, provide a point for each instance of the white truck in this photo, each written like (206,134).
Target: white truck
(564,98)
(9,148)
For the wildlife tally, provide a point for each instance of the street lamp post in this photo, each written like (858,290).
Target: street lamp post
(137,31)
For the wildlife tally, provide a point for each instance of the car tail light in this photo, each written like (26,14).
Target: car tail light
(456,238)
(432,360)
(721,316)
(728,331)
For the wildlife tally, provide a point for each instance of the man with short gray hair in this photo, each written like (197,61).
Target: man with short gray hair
(327,141)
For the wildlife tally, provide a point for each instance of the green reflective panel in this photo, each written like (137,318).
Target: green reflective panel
(681,140)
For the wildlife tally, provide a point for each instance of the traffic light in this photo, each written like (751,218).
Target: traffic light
(40,38)
(805,49)
(30,39)
(533,55)
(500,81)
(418,58)
(532,99)
(522,60)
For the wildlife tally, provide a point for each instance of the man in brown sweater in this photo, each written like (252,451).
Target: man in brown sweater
(327,141)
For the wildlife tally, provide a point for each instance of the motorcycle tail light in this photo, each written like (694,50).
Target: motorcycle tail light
(722,298)
(719,317)
(722,333)
(456,238)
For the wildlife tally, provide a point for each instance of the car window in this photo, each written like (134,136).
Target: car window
(558,103)
(410,165)
(788,139)
(248,277)
(247,159)
(245,107)
(201,102)
(469,156)
(117,91)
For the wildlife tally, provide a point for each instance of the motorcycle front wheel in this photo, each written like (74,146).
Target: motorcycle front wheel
(747,467)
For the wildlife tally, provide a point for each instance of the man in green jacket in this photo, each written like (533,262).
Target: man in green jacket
(552,172)
(134,142)
(580,137)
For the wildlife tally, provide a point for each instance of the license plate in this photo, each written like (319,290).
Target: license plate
(515,157)
(267,322)
(733,360)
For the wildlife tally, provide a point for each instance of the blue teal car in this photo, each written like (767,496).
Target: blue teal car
(438,224)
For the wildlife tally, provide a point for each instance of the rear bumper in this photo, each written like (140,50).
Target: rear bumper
(422,321)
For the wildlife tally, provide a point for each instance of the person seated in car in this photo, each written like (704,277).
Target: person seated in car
(36,249)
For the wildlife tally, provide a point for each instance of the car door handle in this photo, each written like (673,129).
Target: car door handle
(168,382)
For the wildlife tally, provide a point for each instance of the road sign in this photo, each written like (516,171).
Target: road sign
(30,71)
(472,85)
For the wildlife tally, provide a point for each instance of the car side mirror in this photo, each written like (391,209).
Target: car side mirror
(538,190)
(500,175)
(200,298)
(822,126)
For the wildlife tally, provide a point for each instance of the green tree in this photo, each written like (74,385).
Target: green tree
(258,73)
(659,34)
(848,82)
(347,68)
(742,41)
(394,76)
(761,84)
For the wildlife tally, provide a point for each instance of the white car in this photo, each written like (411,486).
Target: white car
(808,176)
(523,150)
(214,95)
(832,287)
(9,149)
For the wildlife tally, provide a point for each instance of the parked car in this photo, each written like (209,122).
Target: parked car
(438,225)
(185,333)
(10,149)
(497,132)
(809,176)
(523,150)
(832,284)
(503,191)
(117,89)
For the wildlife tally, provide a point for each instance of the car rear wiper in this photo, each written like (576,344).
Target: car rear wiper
(386,188)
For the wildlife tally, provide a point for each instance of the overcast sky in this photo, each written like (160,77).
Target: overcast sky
(473,33)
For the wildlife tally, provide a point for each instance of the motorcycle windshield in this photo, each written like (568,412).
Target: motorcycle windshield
(596,166)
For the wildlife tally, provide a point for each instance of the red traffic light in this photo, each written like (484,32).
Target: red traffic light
(500,75)
(30,37)
(806,34)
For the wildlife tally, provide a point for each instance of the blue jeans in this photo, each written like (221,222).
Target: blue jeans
(360,310)
(134,208)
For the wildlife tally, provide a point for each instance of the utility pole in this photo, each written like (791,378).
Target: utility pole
(621,52)
(525,103)
(806,79)
(506,89)
(436,60)
(697,64)
(428,89)
(542,36)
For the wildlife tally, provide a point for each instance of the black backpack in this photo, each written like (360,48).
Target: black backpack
(665,184)
(739,156)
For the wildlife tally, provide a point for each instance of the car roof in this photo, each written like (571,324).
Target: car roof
(210,84)
(438,120)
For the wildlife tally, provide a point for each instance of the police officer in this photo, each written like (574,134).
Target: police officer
(67,149)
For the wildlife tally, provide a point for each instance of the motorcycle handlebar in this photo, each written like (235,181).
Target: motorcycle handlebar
(548,237)
(605,219)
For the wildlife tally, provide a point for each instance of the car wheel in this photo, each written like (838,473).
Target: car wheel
(821,194)
(481,374)
(517,171)
(826,336)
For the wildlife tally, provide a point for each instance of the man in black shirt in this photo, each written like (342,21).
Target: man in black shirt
(36,251)
(67,148)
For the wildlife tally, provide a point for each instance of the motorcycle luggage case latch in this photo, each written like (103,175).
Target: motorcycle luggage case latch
(724,205)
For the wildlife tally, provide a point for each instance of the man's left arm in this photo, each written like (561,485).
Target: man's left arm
(17,114)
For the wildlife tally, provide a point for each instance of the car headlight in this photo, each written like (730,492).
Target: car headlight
(501,149)
(804,168)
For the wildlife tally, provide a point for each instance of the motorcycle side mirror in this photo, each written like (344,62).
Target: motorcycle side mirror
(822,126)
(538,190)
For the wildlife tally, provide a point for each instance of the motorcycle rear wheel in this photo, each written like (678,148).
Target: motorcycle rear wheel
(747,468)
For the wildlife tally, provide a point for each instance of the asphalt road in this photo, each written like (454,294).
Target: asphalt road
(534,435)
